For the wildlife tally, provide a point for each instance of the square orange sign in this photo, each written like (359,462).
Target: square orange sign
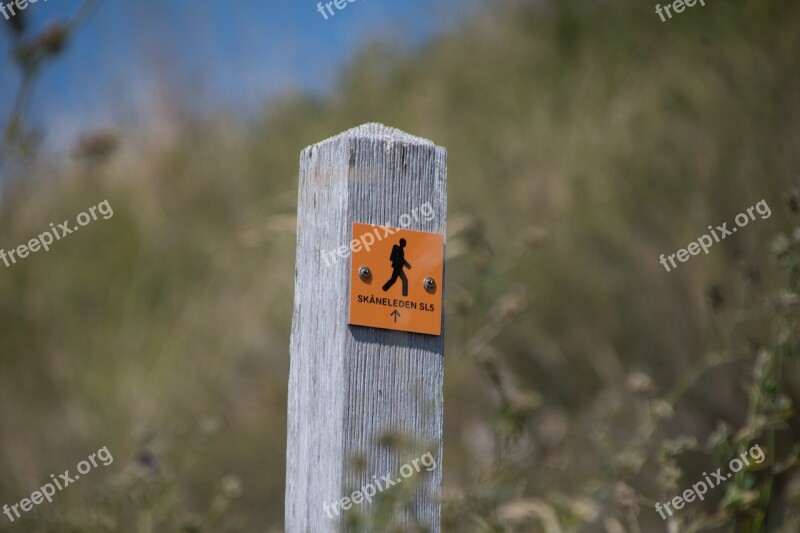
(396,279)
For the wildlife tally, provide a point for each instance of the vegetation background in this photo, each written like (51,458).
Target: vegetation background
(583,381)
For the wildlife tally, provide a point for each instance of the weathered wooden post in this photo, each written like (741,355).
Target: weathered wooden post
(350,386)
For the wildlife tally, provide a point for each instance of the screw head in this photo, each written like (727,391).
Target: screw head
(365,273)
(429,284)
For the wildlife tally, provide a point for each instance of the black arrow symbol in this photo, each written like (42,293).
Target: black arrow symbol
(395,314)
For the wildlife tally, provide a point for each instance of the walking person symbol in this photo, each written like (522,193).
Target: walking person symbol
(398,260)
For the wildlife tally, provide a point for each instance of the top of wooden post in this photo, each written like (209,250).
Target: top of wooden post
(377,131)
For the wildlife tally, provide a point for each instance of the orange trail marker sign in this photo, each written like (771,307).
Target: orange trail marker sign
(396,283)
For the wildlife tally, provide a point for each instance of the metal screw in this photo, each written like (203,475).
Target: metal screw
(429,284)
(365,273)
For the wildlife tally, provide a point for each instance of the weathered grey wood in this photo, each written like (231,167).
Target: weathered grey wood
(351,385)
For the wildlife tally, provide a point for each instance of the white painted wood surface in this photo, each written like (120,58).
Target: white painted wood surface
(349,386)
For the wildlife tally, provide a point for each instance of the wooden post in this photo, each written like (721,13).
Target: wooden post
(353,388)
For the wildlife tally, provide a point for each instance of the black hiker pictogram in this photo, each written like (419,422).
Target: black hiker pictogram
(398,260)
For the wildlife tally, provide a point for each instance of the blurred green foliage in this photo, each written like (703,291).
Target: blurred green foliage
(583,382)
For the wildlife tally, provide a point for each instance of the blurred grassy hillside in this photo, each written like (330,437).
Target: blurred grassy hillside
(584,141)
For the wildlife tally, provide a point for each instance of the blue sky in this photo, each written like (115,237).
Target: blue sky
(231,54)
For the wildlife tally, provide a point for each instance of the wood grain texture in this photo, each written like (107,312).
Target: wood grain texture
(351,387)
